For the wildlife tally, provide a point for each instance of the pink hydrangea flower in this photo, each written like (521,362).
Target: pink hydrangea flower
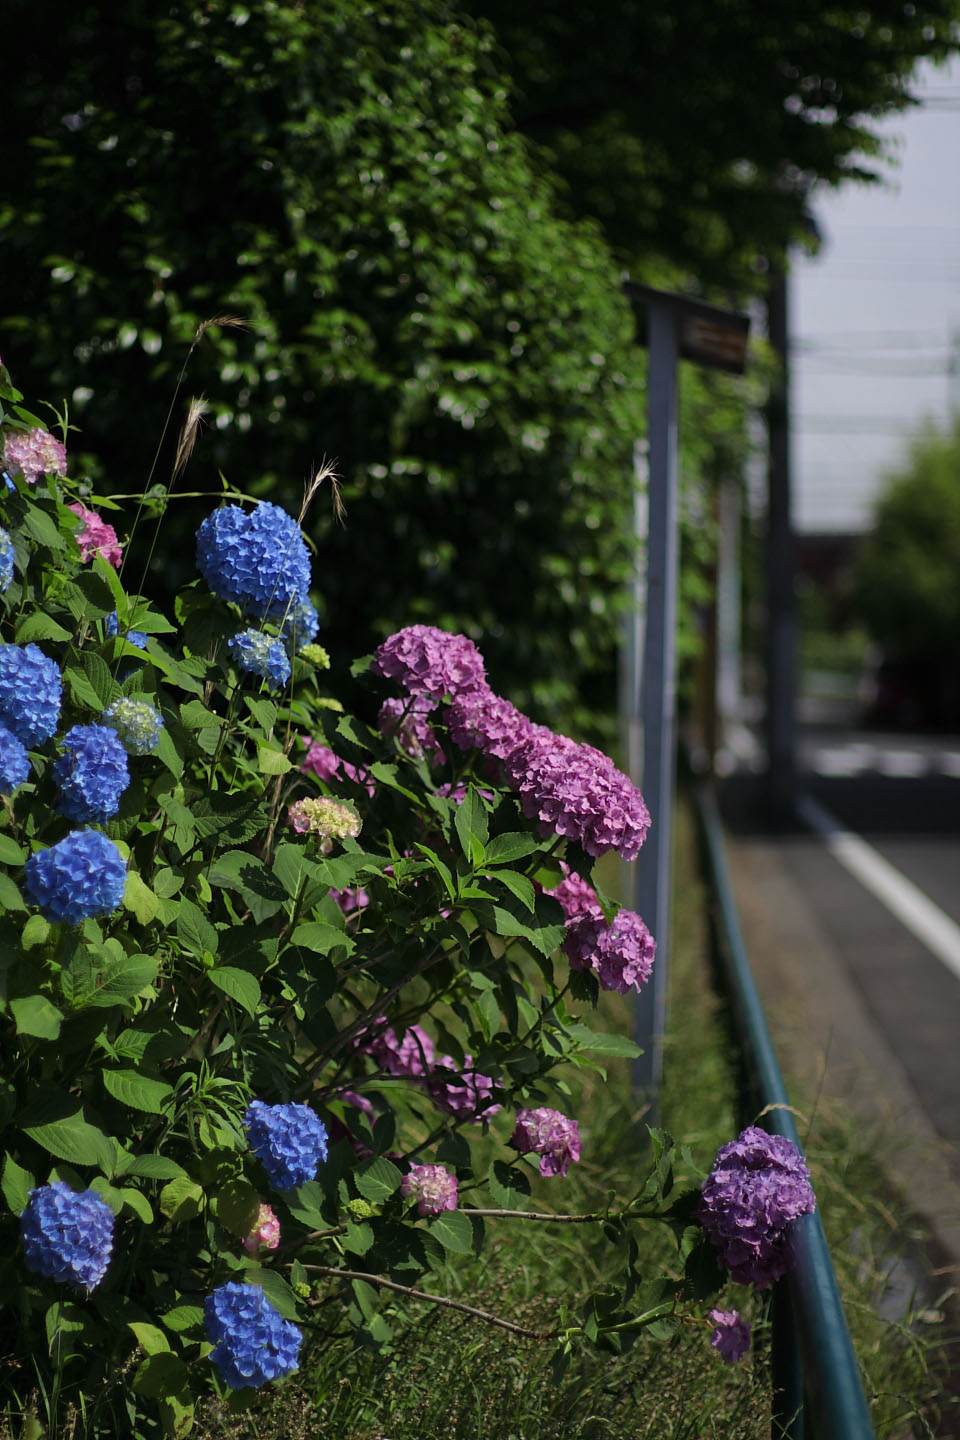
(96,536)
(34,453)
(576,895)
(432,1186)
(326,764)
(577,791)
(464,1093)
(619,954)
(406,721)
(731,1335)
(551,1135)
(265,1234)
(483,720)
(408,1055)
(351,899)
(430,662)
(330,819)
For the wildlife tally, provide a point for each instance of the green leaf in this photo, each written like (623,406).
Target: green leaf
(10,852)
(39,626)
(320,938)
(10,897)
(454,1231)
(162,1376)
(272,761)
(194,929)
(237,1205)
(97,672)
(153,1167)
(149,1337)
(519,886)
(275,1288)
(139,899)
(35,932)
(16,1185)
(98,595)
(183,1317)
(442,870)
(181,1199)
(81,690)
(509,1186)
(74,1140)
(137,1091)
(34,1015)
(136,1201)
(618,1046)
(123,979)
(240,985)
(502,849)
(377,1179)
(472,826)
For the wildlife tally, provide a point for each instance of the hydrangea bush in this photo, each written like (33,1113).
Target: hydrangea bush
(277,984)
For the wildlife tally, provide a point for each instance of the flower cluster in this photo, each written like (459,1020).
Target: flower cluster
(326,764)
(95,536)
(137,724)
(430,662)
(482,720)
(549,1134)
(331,819)
(578,792)
(432,1186)
(300,625)
(410,1055)
(83,875)
(133,637)
(252,1342)
(257,560)
(406,721)
(619,954)
(33,453)
(731,1334)
(577,896)
(464,1093)
(30,693)
(92,773)
(260,654)
(14,762)
(288,1140)
(6,560)
(759,1184)
(67,1235)
(265,1234)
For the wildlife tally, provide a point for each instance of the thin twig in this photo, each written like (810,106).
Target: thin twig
(444,1300)
(538,1215)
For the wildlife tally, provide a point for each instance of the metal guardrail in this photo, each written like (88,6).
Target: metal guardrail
(815,1373)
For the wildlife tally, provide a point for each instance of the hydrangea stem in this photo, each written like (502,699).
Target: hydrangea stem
(443,1300)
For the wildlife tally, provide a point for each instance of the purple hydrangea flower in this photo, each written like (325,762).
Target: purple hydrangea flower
(252,1342)
(576,895)
(81,876)
(326,764)
(67,1235)
(409,1055)
(137,724)
(619,954)
(92,773)
(577,791)
(289,1141)
(260,654)
(14,762)
(33,453)
(6,560)
(30,693)
(405,721)
(432,1186)
(549,1134)
(758,1185)
(464,1093)
(430,662)
(731,1334)
(132,637)
(482,720)
(259,561)
(351,898)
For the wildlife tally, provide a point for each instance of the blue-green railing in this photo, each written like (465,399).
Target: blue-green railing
(815,1374)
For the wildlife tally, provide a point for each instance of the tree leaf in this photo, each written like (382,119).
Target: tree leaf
(137,1091)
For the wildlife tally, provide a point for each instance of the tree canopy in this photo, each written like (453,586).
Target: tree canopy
(695,130)
(344,177)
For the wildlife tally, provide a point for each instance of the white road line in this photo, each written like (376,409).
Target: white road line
(925,920)
(902,764)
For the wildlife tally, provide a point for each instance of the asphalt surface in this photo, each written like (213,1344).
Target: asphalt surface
(860,1008)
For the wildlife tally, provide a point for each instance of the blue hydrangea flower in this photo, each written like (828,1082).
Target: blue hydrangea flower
(136,722)
(259,561)
(30,693)
(14,762)
(82,875)
(7,481)
(262,655)
(67,1235)
(6,560)
(92,773)
(252,1341)
(300,625)
(289,1141)
(133,637)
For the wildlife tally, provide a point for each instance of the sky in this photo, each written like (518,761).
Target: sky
(876,316)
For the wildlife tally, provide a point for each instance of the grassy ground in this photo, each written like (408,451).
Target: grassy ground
(446,1376)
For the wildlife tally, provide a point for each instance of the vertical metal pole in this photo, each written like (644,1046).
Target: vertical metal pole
(781,611)
(657,700)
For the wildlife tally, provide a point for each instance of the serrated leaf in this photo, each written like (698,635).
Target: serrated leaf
(272,761)
(11,853)
(153,1167)
(75,1141)
(471,825)
(183,1317)
(138,1203)
(377,1179)
(509,1187)
(240,985)
(162,1376)
(149,1337)
(181,1199)
(614,1045)
(35,1015)
(35,932)
(237,1205)
(137,1091)
(139,899)
(10,897)
(275,1288)
(39,626)
(82,692)
(16,1184)
(97,672)
(514,845)
(194,929)
(454,1231)
(519,886)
